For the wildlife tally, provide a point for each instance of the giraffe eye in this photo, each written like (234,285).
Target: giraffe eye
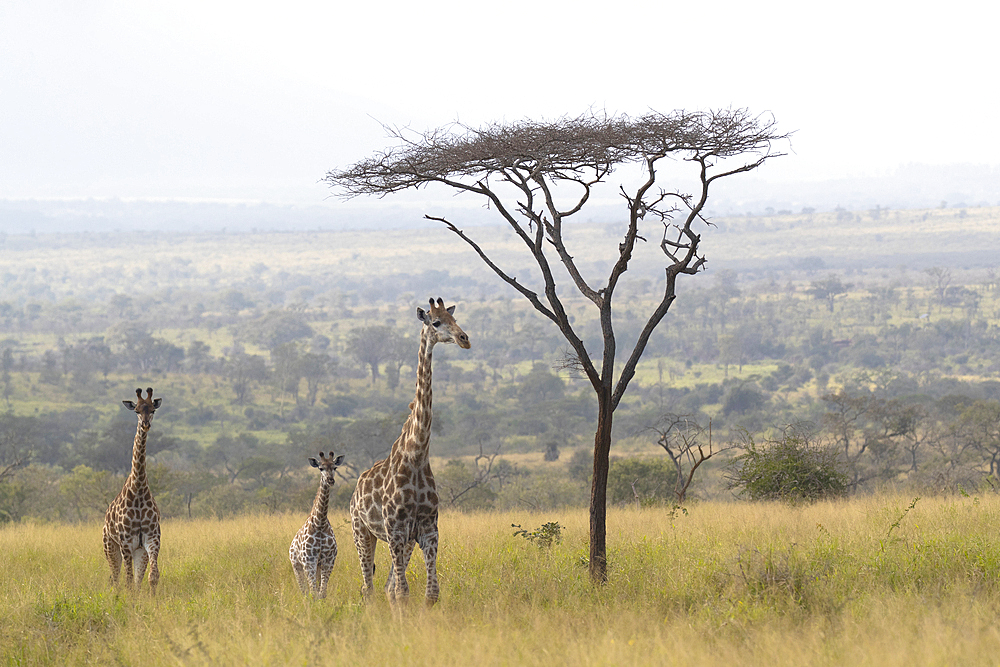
(437,323)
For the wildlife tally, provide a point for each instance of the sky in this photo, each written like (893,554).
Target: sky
(256,101)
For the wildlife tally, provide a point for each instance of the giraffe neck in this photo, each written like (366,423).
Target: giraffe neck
(417,432)
(139,455)
(322,502)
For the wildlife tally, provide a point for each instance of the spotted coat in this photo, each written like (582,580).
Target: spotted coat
(396,500)
(132,522)
(314,548)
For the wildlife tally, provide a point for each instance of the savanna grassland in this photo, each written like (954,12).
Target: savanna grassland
(881,329)
(878,580)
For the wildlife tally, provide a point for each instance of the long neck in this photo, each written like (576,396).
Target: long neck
(322,502)
(139,454)
(417,430)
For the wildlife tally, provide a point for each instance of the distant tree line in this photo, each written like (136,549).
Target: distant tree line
(873,368)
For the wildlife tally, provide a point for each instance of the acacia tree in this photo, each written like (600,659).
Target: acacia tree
(373,345)
(538,174)
(688,445)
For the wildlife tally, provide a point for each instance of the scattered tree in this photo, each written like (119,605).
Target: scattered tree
(940,279)
(18,436)
(537,175)
(790,468)
(688,445)
(979,425)
(243,371)
(374,345)
(315,368)
(828,290)
(644,481)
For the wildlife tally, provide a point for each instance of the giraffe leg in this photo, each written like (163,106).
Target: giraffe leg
(126,552)
(324,577)
(113,552)
(152,552)
(311,571)
(390,582)
(398,589)
(326,567)
(326,564)
(365,542)
(139,561)
(300,576)
(429,545)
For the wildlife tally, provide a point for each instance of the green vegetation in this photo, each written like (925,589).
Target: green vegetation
(787,468)
(268,348)
(827,583)
(543,537)
(254,343)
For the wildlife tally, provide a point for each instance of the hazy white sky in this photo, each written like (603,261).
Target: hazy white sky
(256,100)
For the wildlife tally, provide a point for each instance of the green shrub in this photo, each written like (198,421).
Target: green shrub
(544,537)
(651,478)
(790,468)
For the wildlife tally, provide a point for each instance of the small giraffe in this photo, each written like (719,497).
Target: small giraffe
(395,500)
(314,549)
(132,523)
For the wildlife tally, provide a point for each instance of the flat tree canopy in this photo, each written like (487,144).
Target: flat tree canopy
(537,174)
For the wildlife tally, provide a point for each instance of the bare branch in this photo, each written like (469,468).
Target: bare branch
(510,280)
(532,160)
(11,467)
(556,238)
(684,441)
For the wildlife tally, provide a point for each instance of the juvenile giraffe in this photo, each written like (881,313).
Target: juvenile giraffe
(132,523)
(314,548)
(395,500)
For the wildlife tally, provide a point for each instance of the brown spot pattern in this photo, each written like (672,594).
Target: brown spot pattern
(132,522)
(395,500)
(313,550)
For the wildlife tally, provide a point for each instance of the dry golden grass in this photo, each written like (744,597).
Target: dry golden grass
(867,581)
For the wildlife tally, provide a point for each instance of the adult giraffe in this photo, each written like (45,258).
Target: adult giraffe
(395,500)
(132,523)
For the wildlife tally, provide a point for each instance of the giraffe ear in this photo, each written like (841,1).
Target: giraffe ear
(313,462)
(129,404)
(337,461)
(451,310)
(421,315)
(156,403)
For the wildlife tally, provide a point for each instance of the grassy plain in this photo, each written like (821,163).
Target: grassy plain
(868,581)
(87,266)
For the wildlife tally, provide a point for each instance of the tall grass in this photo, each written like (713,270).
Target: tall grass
(865,581)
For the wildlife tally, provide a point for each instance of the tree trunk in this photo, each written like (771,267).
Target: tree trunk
(599,490)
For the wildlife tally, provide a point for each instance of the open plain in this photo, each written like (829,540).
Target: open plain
(883,580)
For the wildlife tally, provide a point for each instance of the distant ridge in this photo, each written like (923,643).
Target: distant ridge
(909,187)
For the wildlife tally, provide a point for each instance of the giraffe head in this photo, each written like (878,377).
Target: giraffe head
(327,465)
(442,324)
(144,407)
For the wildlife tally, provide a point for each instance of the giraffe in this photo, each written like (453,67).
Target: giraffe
(132,523)
(314,548)
(395,500)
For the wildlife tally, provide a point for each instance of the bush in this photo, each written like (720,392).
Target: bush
(651,478)
(544,537)
(551,451)
(742,399)
(790,468)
